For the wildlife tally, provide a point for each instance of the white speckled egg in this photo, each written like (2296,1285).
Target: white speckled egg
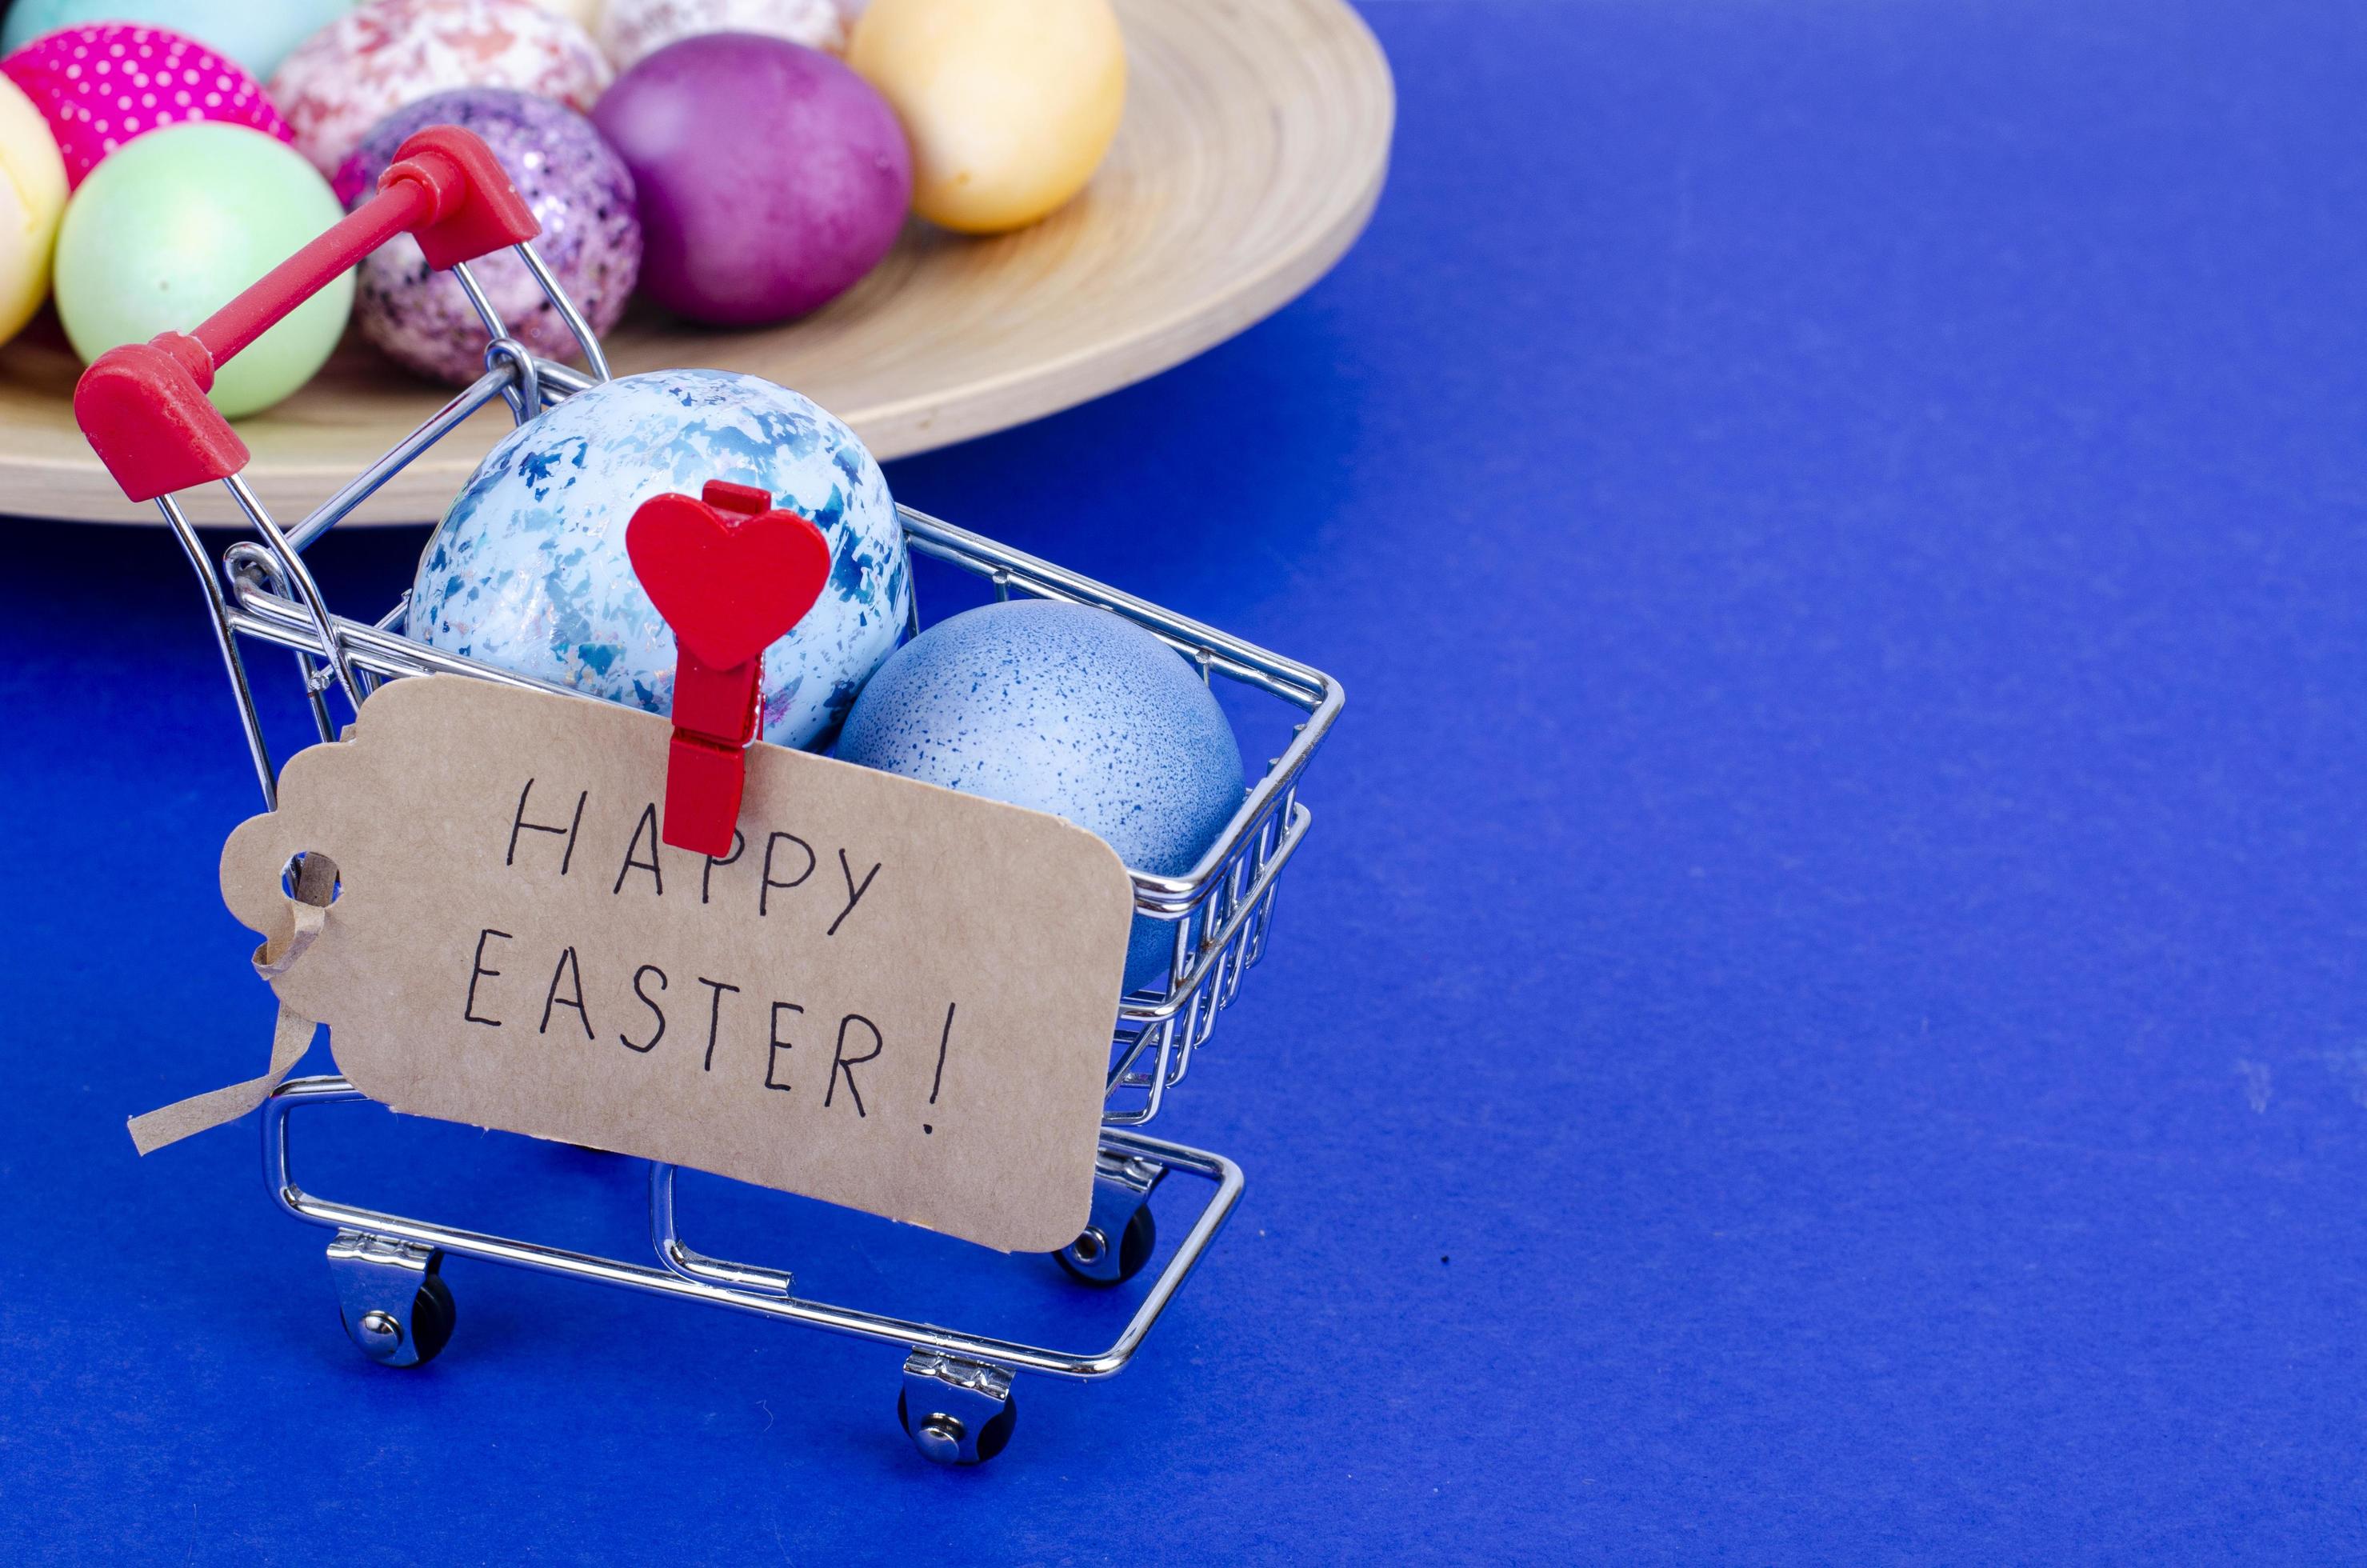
(631,29)
(371,61)
(528,571)
(584,13)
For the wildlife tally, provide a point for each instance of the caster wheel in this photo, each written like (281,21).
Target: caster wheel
(394,1343)
(432,1318)
(942,1439)
(1090,1260)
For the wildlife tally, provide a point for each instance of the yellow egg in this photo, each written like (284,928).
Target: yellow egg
(1010,104)
(32,199)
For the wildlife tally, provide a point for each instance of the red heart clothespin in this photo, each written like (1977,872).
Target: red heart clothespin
(731,573)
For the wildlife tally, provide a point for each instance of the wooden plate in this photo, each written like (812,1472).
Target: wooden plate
(1256,139)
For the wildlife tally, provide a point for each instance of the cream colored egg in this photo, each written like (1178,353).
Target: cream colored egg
(1010,104)
(32,199)
(584,13)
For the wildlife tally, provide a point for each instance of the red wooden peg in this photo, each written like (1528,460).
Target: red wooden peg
(731,573)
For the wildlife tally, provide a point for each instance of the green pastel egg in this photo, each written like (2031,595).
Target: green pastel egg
(171,226)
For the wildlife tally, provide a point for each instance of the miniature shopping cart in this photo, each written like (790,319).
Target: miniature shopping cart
(145,411)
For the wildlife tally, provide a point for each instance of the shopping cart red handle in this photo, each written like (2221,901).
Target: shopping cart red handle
(143,406)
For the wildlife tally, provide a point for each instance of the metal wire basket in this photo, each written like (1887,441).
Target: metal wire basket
(957,1400)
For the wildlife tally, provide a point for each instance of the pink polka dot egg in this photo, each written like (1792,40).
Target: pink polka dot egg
(101,85)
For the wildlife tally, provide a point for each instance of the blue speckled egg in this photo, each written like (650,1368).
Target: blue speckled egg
(528,571)
(1067,709)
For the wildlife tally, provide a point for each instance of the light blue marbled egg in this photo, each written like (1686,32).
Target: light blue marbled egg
(257,36)
(529,570)
(1066,709)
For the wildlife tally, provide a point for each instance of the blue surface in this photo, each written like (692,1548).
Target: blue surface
(1822,1019)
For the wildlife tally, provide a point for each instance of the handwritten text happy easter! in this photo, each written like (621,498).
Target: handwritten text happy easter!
(506,988)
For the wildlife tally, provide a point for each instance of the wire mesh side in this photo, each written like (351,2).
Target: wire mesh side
(1221,911)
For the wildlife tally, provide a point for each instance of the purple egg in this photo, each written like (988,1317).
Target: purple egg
(579,191)
(771,175)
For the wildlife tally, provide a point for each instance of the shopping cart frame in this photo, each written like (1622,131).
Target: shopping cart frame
(957,1400)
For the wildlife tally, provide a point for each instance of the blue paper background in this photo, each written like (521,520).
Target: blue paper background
(1822,1019)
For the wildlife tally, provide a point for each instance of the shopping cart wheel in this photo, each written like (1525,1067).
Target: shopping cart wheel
(1092,1261)
(967,1411)
(433,1317)
(391,1298)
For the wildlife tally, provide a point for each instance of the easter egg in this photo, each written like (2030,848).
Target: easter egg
(101,85)
(256,33)
(584,13)
(771,177)
(1010,104)
(32,199)
(1069,710)
(371,61)
(172,227)
(632,28)
(591,238)
(528,571)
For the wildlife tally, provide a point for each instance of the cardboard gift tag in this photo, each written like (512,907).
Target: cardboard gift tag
(888,995)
